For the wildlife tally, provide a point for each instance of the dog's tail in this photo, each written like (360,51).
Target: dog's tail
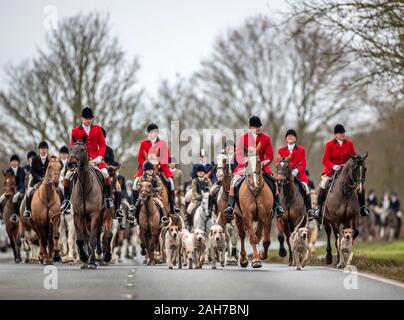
(300,223)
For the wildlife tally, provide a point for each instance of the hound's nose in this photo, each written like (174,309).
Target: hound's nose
(174,235)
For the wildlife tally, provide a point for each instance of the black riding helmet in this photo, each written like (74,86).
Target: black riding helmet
(148,166)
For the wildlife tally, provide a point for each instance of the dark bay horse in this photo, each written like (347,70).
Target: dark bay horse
(341,208)
(12,228)
(293,203)
(256,201)
(88,206)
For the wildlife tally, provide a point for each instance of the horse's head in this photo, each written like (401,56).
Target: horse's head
(145,190)
(284,169)
(253,169)
(9,184)
(78,155)
(112,170)
(223,167)
(357,170)
(53,172)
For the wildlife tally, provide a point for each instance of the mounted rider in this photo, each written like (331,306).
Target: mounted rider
(253,138)
(151,176)
(156,150)
(298,164)
(200,185)
(38,169)
(337,152)
(226,156)
(94,141)
(19,174)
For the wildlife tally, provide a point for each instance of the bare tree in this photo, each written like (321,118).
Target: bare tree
(259,69)
(371,29)
(83,65)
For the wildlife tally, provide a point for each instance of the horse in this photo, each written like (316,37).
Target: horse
(293,202)
(341,206)
(224,174)
(46,213)
(88,205)
(149,221)
(12,228)
(255,205)
(68,239)
(29,238)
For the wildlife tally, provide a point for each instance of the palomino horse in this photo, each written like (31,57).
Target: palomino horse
(224,171)
(45,218)
(149,221)
(293,202)
(12,228)
(256,201)
(341,206)
(88,205)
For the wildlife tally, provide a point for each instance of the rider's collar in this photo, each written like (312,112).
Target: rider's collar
(294,146)
(336,141)
(156,139)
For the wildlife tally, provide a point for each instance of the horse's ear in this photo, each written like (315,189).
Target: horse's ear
(365,156)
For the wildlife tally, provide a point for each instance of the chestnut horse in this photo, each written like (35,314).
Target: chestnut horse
(12,228)
(341,207)
(293,202)
(149,221)
(46,213)
(88,206)
(256,201)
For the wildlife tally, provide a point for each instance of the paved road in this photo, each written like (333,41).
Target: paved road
(133,280)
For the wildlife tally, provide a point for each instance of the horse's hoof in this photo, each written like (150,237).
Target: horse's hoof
(256,264)
(298,269)
(290,264)
(328,259)
(145,261)
(92,266)
(57,258)
(17,260)
(170,267)
(84,258)
(143,252)
(213,267)
(244,263)
(107,257)
(84,266)
(282,252)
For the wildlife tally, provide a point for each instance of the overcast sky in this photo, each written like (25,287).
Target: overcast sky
(169,36)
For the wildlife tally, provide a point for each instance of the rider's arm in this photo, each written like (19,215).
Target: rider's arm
(102,146)
(269,152)
(141,155)
(302,162)
(240,151)
(327,157)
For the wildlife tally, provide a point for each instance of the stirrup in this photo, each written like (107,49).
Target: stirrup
(14,218)
(317,214)
(109,202)
(118,213)
(27,214)
(228,212)
(165,220)
(131,218)
(279,211)
(364,211)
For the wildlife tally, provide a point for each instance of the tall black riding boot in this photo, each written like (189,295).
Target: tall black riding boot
(134,210)
(229,210)
(108,189)
(14,216)
(320,201)
(174,209)
(65,207)
(307,202)
(364,210)
(278,209)
(27,212)
(118,201)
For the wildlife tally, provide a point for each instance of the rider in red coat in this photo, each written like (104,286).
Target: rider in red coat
(337,152)
(297,162)
(96,146)
(253,138)
(155,150)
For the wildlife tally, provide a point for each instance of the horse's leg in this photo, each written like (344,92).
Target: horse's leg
(287,235)
(267,240)
(71,243)
(56,237)
(108,238)
(79,225)
(336,231)
(256,262)
(328,257)
(234,239)
(241,232)
(280,224)
(95,231)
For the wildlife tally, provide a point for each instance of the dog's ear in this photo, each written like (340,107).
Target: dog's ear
(210,233)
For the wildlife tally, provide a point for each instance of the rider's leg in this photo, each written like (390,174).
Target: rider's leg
(65,207)
(364,210)
(164,217)
(174,209)
(15,201)
(213,197)
(232,197)
(307,199)
(108,187)
(118,200)
(277,207)
(134,211)
(321,197)
(28,195)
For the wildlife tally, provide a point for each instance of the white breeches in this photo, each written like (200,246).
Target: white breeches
(324,180)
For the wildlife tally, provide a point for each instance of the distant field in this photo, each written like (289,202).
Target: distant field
(382,258)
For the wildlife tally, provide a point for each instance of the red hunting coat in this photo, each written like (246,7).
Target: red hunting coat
(266,151)
(336,154)
(160,149)
(95,142)
(298,160)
